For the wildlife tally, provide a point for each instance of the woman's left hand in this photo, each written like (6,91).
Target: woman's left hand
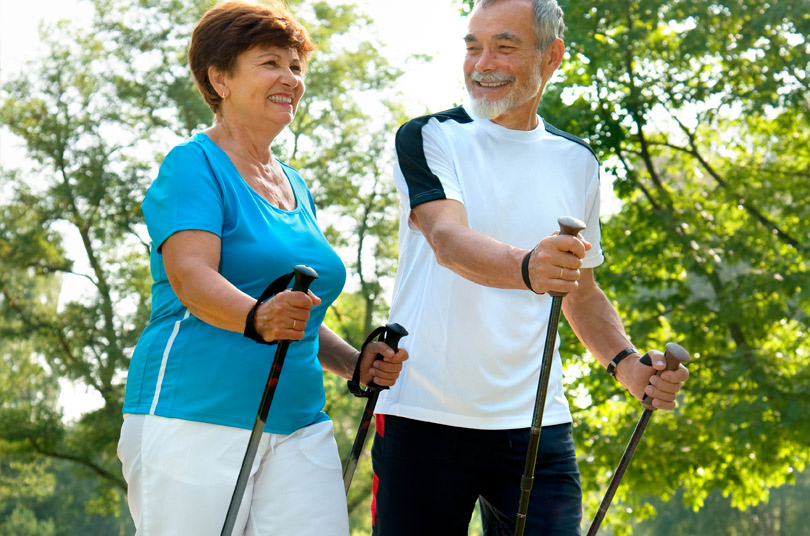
(383,371)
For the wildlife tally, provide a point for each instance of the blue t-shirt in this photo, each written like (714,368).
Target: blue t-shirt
(185,368)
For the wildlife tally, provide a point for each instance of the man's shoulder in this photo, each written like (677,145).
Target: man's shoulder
(414,126)
(551,129)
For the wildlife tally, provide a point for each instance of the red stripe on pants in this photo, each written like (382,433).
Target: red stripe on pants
(379,424)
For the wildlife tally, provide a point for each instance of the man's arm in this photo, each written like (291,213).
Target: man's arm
(555,265)
(596,323)
(482,259)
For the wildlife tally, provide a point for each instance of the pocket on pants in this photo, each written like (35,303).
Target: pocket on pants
(317,444)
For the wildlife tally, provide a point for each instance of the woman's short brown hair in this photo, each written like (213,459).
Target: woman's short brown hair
(229,29)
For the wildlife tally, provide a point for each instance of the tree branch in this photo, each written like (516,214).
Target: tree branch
(97,469)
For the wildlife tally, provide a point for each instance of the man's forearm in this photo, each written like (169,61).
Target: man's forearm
(595,321)
(477,257)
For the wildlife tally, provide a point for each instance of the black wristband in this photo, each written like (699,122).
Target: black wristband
(250,321)
(354,384)
(524,270)
(250,326)
(611,368)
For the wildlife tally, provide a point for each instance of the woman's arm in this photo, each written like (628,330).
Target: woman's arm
(339,357)
(191,260)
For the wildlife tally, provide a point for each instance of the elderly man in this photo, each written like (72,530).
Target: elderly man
(482,186)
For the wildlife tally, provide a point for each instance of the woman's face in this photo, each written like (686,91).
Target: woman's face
(266,85)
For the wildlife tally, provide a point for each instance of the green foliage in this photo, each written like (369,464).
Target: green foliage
(23,522)
(784,513)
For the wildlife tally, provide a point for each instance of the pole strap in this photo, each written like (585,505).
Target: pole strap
(354,384)
(272,289)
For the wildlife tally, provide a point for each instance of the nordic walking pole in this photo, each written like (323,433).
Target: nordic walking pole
(568,226)
(304,275)
(675,355)
(392,333)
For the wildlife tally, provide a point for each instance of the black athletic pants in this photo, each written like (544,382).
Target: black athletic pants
(428,476)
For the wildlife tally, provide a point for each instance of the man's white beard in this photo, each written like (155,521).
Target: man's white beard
(491,109)
(518,96)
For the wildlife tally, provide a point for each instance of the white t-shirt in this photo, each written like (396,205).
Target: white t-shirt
(475,351)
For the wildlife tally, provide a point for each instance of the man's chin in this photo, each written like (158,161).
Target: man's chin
(489,109)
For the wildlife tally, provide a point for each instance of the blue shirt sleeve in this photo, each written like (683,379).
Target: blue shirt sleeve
(185,195)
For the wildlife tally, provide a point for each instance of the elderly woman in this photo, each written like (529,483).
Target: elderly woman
(226,218)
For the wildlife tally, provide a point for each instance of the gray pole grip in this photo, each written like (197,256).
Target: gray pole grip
(675,354)
(568,226)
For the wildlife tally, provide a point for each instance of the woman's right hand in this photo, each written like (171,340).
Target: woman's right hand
(284,316)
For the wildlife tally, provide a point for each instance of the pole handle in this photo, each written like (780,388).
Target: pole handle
(675,354)
(572,227)
(304,276)
(391,336)
(393,333)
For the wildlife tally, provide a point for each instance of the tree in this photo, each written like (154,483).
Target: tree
(96,118)
(699,112)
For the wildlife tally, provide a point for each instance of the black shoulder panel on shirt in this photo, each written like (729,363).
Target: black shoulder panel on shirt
(556,131)
(423,184)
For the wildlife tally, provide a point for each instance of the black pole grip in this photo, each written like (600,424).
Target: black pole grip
(675,354)
(393,333)
(391,336)
(304,276)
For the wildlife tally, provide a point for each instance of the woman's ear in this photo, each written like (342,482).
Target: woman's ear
(218,82)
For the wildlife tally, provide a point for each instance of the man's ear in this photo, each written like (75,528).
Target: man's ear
(552,57)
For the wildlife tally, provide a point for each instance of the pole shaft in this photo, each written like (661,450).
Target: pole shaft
(304,275)
(527,481)
(359,441)
(624,463)
(391,336)
(255,438)
(674,355)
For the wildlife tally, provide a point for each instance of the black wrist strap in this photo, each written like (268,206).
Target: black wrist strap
(611,368)
(524,270)
(272,289)
(354,384)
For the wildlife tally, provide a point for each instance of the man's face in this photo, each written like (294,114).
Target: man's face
(502,68)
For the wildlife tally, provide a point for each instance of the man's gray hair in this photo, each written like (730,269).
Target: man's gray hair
(548,20)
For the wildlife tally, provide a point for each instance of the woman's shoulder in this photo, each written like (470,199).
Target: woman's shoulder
(188,162)
(192,148)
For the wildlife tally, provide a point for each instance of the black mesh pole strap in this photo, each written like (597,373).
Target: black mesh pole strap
(304,275)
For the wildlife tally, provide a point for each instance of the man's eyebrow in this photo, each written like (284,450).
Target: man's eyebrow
(506,36)
(503,36)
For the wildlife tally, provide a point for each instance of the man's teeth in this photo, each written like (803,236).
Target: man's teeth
(288,100)
(492,84)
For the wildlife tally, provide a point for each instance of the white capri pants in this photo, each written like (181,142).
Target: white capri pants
(181,475)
